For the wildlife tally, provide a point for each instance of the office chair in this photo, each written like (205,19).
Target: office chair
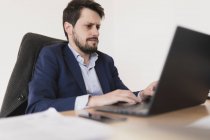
(15,99)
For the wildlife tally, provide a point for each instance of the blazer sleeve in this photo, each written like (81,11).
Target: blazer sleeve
(43,87)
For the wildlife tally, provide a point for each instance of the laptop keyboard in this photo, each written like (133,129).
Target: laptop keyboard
(137,109)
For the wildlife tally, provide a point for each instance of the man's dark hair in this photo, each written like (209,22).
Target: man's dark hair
(73,11)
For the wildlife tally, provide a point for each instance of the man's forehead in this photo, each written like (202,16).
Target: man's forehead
(92,23)
(87,20)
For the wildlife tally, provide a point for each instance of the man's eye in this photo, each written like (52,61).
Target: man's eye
(98,27)
(89,26)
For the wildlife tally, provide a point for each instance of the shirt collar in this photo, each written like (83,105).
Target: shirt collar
(80,60)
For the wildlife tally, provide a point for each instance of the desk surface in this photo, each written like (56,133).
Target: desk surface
(173,125)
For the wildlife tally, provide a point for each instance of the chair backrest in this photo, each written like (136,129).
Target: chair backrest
(15,99)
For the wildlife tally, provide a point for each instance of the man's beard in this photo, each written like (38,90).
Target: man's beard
(88,49)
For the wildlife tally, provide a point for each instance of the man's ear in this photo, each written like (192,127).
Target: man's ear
(68,28)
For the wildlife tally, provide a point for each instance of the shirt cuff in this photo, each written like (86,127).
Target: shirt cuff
(81,102)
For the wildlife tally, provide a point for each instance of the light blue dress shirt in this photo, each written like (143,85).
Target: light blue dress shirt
(90,77)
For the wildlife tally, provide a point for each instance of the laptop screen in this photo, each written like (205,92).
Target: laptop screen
(185,79)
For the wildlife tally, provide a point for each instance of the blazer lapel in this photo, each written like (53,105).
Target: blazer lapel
(101,73)
(74,67)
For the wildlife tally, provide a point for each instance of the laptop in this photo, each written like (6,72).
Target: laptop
(185,78)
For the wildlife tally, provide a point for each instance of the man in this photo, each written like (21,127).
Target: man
(76,75)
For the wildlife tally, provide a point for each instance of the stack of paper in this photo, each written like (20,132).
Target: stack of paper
(50,125)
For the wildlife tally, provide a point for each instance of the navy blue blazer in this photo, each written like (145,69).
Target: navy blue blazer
(57,79)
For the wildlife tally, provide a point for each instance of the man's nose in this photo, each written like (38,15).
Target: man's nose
(95,31)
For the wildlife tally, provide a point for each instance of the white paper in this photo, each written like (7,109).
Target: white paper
(50,125)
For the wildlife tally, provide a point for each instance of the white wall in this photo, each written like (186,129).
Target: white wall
(136,33)
(143,30)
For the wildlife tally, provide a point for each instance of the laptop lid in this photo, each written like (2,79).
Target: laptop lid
(185,78)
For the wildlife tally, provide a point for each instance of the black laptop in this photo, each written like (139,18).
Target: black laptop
(185,78)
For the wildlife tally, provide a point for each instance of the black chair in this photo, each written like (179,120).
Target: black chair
(15,99)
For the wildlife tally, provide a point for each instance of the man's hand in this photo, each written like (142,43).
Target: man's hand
(113,97)
(148,91)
